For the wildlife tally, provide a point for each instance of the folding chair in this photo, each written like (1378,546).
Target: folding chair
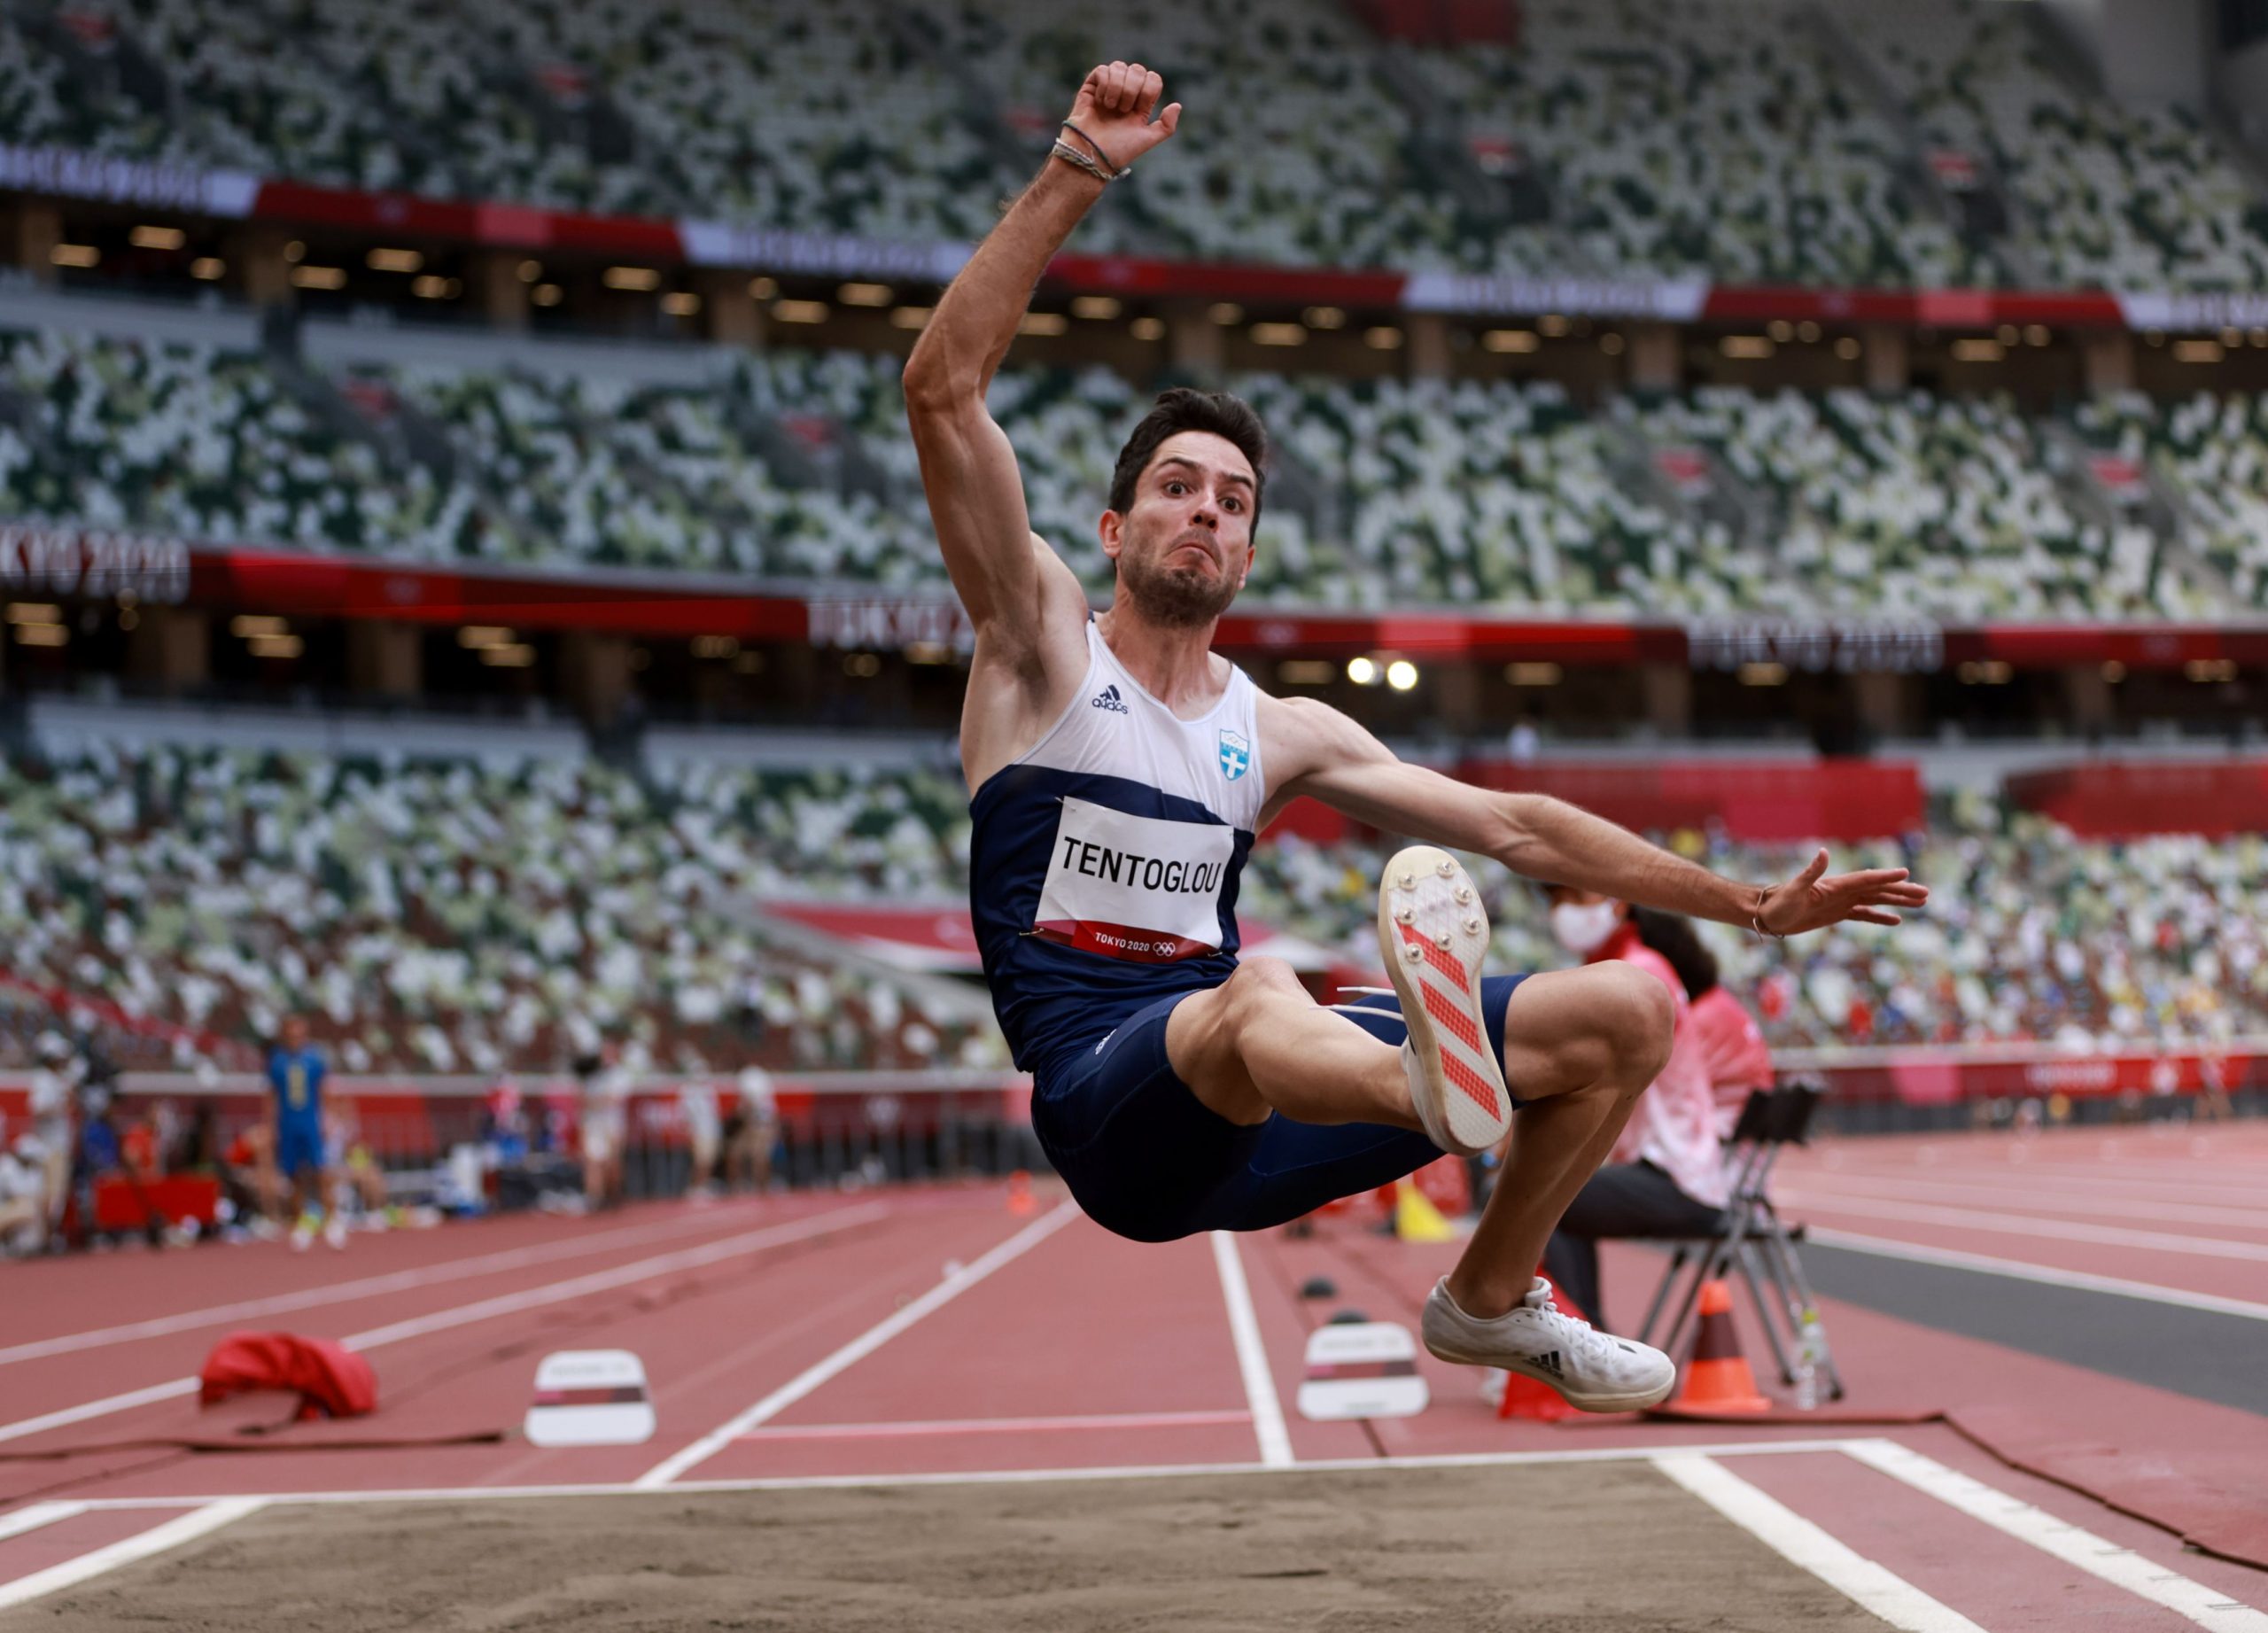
(1752,1238)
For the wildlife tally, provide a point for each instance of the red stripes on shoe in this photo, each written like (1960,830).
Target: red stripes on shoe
(1477,1088)
(1439,957)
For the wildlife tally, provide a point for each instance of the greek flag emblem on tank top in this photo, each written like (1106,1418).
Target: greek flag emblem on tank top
(1236,754)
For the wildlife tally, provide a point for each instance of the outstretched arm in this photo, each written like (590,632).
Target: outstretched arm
(968,470)
(1312,749)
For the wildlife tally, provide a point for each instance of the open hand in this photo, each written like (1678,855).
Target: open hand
(1811,899)
(1114,108)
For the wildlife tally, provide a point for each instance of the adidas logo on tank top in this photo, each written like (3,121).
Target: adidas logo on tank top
(1107,698)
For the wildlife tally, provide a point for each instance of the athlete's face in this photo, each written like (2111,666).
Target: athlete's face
(295,1034)
(1183,549)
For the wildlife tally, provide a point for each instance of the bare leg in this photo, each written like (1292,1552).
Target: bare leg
(1258,1043)
(1580,1046)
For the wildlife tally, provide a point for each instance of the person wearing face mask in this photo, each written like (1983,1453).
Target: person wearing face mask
(1665,1176)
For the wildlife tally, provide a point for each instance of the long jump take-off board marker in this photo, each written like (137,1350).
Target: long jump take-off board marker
(1368,1370)
(590,1397)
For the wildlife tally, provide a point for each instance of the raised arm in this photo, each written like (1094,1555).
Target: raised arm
(1312,749)
(968,470)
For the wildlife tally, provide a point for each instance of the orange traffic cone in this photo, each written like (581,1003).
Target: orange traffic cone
(1527,1397)
(1717,1378)
(1021,1202)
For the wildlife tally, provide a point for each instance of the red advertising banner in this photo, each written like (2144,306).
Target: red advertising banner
(2113,799)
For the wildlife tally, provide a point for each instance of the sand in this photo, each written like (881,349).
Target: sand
(1540,1548)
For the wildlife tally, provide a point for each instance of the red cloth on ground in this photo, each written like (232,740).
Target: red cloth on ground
(331,1381)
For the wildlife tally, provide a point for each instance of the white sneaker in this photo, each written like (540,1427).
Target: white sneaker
(1433,933)
(334,1232)
(1591,1370)
(303,1236)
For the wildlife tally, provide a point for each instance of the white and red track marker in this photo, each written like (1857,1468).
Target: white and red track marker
(590,1397)
(1365,1370)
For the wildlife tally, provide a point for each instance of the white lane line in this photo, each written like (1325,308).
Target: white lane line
(999,1426)
(810,1378)
(2122,1567)
(981,1477)
(1883,1247)
(157,1539)
(342,1292)
(1796,1539)
(597,1281)
(2008,1225)
(1252,1355)
(37,1515)
(2016,1191)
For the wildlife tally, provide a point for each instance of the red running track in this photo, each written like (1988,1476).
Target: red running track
(933,1332)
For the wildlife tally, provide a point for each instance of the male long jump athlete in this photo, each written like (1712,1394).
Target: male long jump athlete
(1120,771)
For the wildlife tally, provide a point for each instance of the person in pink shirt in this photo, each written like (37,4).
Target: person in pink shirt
(1666,1175)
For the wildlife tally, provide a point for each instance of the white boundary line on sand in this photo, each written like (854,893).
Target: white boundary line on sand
(1010,1476)
(509,1303)
(873,1339)
(1252,1355)
(157,1539)
(37,1515)
(2122,1567)
(340,1292)
(1796,1539)
(2080,1281)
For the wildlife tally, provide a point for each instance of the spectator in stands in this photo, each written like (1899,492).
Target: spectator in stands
(1666,1175)
(295,1074)
(755,1132)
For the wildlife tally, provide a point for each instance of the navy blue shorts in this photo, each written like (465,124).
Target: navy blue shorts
(299,1146)
(1147,1161)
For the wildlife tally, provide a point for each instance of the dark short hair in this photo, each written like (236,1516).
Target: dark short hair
(1181,409)
(1676,940)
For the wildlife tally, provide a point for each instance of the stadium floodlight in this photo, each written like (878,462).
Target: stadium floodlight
(1362,672)
(1402,675)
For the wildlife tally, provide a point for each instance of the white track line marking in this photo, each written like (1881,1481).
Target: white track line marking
(981,1477)
(2017,1270)
(37,1515)
(812,1377)
(1252,1355)
(341,1292)
(2017,1192)
(2122,1567)
(462,1315)
(999,1426)
(157,1539)
(2007,1225)
(1796,1539)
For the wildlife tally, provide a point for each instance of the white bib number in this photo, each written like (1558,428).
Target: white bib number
(1133,887)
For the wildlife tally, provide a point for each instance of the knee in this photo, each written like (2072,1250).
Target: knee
(1639,1019)
(1258,982)
(1213,1020)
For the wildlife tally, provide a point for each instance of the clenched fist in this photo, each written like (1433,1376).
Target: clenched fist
(1115,107)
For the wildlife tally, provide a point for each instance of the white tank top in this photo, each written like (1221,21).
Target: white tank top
(1104,864)
(1127,885)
